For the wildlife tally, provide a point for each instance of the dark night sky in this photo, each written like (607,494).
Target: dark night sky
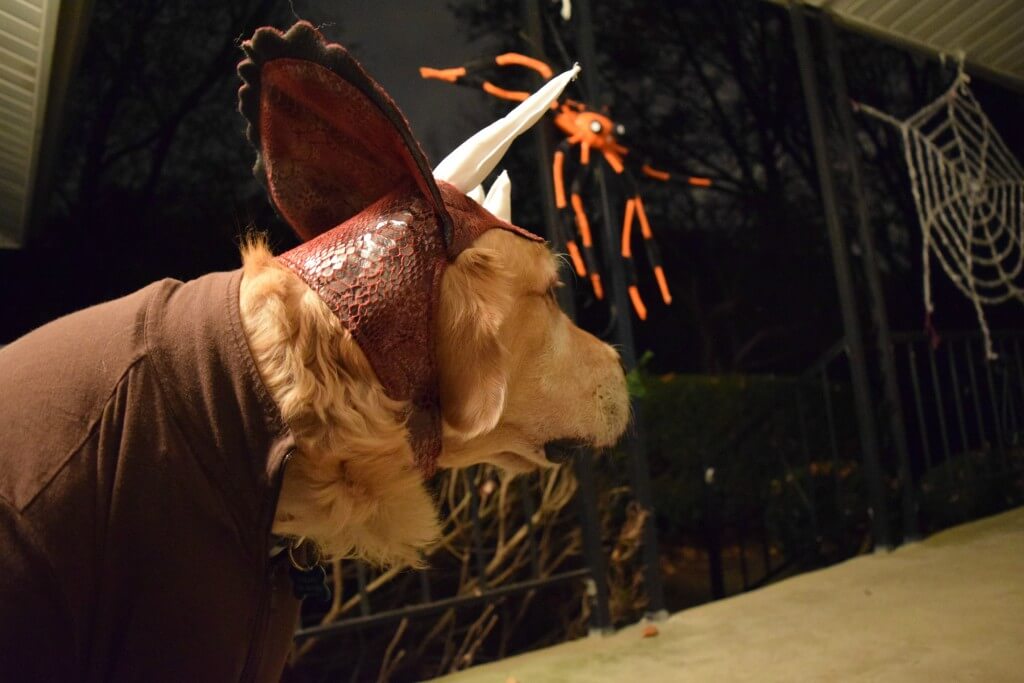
(392,39)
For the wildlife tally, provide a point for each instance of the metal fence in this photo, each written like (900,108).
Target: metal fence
(514,563)
(788,491)
(965,426)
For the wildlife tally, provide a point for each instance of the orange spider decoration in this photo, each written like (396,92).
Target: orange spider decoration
(589,130)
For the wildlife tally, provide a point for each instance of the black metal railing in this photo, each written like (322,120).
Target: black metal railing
(766,485)
(965,427)
(787,489)
(538,550)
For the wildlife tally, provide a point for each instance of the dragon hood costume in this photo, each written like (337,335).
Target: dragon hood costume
(141,456)
(343,169)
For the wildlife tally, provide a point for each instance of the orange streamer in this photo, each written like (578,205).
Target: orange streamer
(582,224)
(614,160)
(638,303)
(522,60)
(627,229)
(577,260)
(645,227)
(514,95)
(654,173)
(556,169)
(450,75)
(659,274)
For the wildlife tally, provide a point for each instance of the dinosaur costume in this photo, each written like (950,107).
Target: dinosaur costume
(141,455)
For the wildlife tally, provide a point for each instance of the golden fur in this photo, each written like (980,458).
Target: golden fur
(515,374)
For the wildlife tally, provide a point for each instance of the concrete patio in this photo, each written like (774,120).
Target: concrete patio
(950,608)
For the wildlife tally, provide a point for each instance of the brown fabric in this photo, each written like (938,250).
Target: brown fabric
(140,459)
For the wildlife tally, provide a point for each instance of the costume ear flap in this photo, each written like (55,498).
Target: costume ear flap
(329,140)
(476,299)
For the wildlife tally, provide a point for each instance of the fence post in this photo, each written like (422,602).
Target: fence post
(590,522)
(601,620)
(892,407)
(620,311)
(713,534)
(805,448)
(844,282)
(544,150)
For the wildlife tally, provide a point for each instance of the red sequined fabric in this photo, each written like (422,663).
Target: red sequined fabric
(380,273)
(327,151)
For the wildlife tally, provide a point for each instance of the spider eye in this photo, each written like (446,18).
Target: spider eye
(620,129)
(595,126)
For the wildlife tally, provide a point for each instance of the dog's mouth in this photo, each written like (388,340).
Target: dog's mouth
(563,451)
(555,452)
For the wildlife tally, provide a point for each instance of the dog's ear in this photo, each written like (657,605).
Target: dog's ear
(329,140)
(476,298)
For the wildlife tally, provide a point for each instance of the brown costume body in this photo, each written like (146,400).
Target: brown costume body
(140,459)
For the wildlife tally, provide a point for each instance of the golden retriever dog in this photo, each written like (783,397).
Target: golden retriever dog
(516,374)
(513,373)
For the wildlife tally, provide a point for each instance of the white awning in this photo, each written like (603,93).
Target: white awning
(39,41)
(27,32)
(988,33)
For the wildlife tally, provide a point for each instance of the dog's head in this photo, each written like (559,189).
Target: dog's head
(452,305)
(516,373)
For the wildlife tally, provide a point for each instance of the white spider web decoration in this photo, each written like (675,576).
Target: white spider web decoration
(969,192)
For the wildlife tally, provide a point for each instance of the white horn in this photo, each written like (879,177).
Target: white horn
(477,194)
(499,198)
(468,165)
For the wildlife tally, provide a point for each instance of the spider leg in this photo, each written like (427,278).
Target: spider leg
(470,74)
(650,245)
(682,178)
(626,250)
(627,258)
(565,216)
(583,225)
(653,253)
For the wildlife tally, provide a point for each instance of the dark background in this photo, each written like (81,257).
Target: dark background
(153,177)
